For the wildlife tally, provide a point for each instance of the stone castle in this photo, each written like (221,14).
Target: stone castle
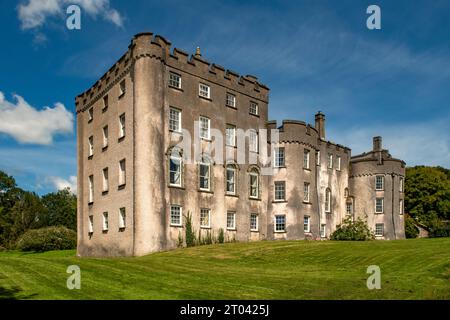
(136,186)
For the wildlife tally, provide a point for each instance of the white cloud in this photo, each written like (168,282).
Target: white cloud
(34,13)
(61,183)
(26,124)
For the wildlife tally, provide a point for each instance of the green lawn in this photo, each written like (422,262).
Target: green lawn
(410,269)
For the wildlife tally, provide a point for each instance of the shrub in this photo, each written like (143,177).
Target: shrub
(180,240)
(352,230)
(411,230)
(46,239)
(190,235)
(439,228)
(221,238)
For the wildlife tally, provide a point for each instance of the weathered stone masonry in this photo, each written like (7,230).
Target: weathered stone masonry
(129,212)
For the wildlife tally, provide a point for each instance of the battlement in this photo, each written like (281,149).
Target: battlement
(147,44)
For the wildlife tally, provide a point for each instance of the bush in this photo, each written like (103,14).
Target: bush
(221,238)
(46,239)
(190,235)
(352,230)
(411,230)
(439,228)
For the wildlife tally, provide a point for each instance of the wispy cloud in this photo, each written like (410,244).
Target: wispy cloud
(27,124)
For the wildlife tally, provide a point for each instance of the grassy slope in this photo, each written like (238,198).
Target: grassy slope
(410,269)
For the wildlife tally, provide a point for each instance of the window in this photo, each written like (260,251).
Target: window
(253,141)
(122,126)
(174,120)
(330,161)
(231,180)
(105,180)
(91,189)
(231,220)
(338,164)
(105,103)
(204,128)
(318,158)
(122,172)
(253,222)
(306,224)
(280,223)
(379,229)
(253,108)
(231,100)
(204,91)
(349,208)
(174,80)
(323,233)
(176,215)
(280,190)
(175,164)
(254,183)
(90,114)
(379,205)
(122,218)
(91,146)
(105,136)
(122,88)
(91,224)
(401,185)
(328,200)
(105,221)
(231,135)
(306,187)
(306,159)
(204,169)
(401,206)
(379,183)
(279,157)
(205,218)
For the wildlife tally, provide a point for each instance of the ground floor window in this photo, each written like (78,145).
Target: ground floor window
(205,218)
(280,223)
(253,222)
(379,229)
(231,220)
(306,224)
(175,215)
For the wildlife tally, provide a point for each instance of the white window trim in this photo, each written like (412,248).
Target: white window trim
(328,203)
(209,128)
(382,234)
(306,156)
(105,179)
(253,145)
(382,183)
(91,146)
(283,183)
(122,127)
(330,161)
(256,113)
(230,168)
(338,165)
(323,230)
(234,220)
(208,96)
(233,105)
(209,176)
(307,186)
(122,88)
(257,222)
(105,224)
(105,136)
(181,170)
(181,215)
(318,158)
(180,129)
(91,224)
(277,157)
(233,130)
(275,223)
(122,218)
(122,172)
(209,219)
(170,80)
(382,205)
(257,185)
(308,230)
(91,189)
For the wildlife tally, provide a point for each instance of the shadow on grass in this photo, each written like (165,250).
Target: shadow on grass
(14,294)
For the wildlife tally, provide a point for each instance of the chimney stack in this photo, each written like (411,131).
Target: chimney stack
(377,144)
(320,124)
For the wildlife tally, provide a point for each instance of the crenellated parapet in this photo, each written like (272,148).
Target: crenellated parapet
(295,131)
(157,47)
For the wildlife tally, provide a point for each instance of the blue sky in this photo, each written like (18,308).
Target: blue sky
(314,55)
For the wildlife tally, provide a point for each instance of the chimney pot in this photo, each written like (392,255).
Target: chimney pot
(377,143)
(320,124)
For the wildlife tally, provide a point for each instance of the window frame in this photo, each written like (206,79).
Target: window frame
(122,88)
(122,172)
(105,132)
(277,157)
(254,173)
(173,159)
(377,229)
(233,105)
(276,223)
(105,221)
(230,128)
(91,146)
(105,180)
(91,224)
(376,183)
(208,177)
(122,127)
(328,197)
(202,211)
(306,224)
(338,164)
(177,121)
(253,140)
(306,159)
(91,189)
(256,229)
(306,192)
(254,108)
(122,218)
(177,80)
(279,191)
(180,212)
(201,129)
(232,168)
(201,91)
(233,214)
(376,205)
(330,161)
(323,230)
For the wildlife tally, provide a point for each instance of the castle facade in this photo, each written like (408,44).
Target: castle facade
(145,132)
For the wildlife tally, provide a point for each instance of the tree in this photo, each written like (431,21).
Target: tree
(427,194)
(61,207)
(352,230)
